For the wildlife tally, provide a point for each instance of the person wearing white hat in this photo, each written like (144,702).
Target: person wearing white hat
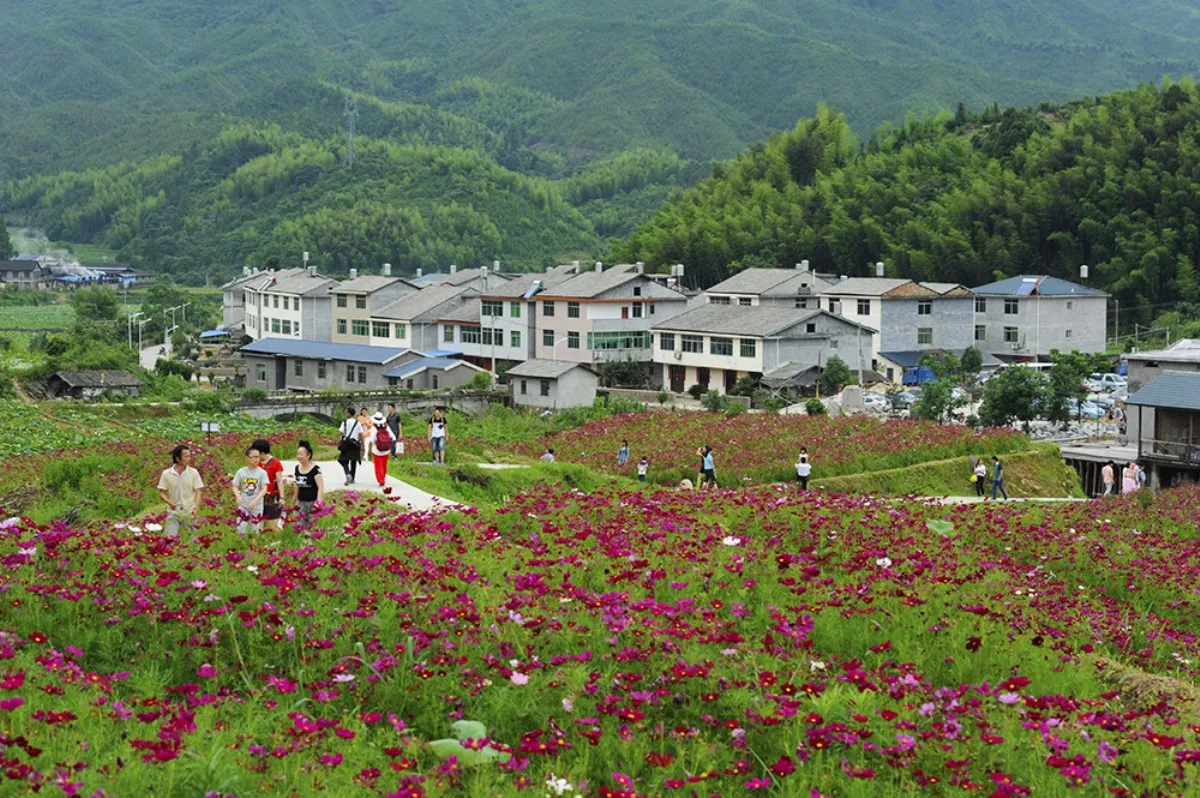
(381,446)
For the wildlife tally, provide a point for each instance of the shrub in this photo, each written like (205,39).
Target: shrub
(471,475)
(254,394)
(814,407)
(480,382)
(696,391)
(663,396)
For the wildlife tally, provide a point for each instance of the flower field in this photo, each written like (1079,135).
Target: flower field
(762,447)
(611,644)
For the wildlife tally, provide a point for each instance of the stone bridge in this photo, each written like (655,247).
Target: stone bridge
(333,406)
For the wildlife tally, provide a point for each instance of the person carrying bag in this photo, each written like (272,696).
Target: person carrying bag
(350,446)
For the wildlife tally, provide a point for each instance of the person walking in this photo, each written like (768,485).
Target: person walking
(249,488)
(980,474)
(367,426)
(180,488)
(623,453)
(708,471)
(998,478)
(548,457)
(438,435)
(1129,483)
(643,467)
(1108,477)
(310,483)
(381,446)
(393,423)
(1139,474)
(803,469)
(350,446)
(273,500)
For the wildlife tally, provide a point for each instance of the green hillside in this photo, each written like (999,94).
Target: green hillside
(1110,182)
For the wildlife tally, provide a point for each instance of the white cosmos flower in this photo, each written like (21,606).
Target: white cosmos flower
(730,540)
(884,562)
(153,527)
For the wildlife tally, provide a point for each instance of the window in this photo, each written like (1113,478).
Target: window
(275,325)
(447,334)
(1070,306)
(637,290)
(298,370)
(381,329)
(321,370)
(349,373)
(276,298)
(547,309)
(925,336)
(514,310)
(810,328)
(545,387)
(651,308)
(285,303)
(547,337)
(287,327)
(718,300)
(864,307)
(524,387)
(980,332)
(749,347)
(980,305)
(924,307)
(693,343)
(296,330)
(341,326)
(492,336)
(408,384)
(835,306)
(362,374)
(619,340)
(514,339)
(1011,335)
(744,301)
(666,342)
(260,372)
(720,346)
(435,382)
(341,300)
(802,303)
(572,310)
(359,327)
(1067,334)
(637,310)
(1011,307)
(360,302)
(572,340)
(470,335)
(402,330)
(491,307)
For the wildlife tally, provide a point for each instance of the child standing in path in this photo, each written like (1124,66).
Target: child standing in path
(249,487)
(438,436)
(310,484)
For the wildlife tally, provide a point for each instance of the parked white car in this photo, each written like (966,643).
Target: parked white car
(1106,382)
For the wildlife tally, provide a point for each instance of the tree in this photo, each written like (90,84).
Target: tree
(6,248)
(972,361)
(1068,373)
(937,400)
(835,375)
(1014,393)
(95,304)
(941,362)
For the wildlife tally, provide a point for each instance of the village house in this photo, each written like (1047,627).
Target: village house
(21,273)
(1025,317)
(785,288)
(1145,367)
(432,374)
(291,364)
(1165,427)
(552,384)
(93,384)
(412,320)
(715,345)
(354,301)
(290,303)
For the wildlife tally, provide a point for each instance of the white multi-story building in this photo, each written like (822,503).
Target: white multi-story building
(784,288)
(1025,317)
(294,303)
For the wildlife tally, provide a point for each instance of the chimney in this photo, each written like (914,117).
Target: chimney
(549,269)
(680,267)
(599,267)
(640,267)
(802,265)
(420,271)
(453,269)
(843,278)
(495,266)
(354,274)
(879,269)
(575,265)
(387,270)
(312,271)
(245,271)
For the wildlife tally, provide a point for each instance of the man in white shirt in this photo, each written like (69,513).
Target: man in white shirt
(179,487)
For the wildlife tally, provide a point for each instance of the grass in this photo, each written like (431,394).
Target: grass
(470,484)
(1040,472)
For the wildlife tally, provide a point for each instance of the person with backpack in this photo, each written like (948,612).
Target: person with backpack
(350,446)
(272,501)
(381,446)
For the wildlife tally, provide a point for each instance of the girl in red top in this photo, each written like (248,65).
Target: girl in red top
(272,502)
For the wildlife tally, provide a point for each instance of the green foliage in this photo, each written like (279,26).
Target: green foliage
(942,362)
(1068,372)
(814,407)
(6,247)
(937,399)
(1015,393)
(480,382)
(95,304)
(662,397)
(835,375)
(254,394)
(972,361)
(622,374)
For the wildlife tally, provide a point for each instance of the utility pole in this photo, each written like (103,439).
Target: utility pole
(129,323)
(183,310)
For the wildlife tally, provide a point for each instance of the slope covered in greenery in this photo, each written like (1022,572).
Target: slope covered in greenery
(1110,182)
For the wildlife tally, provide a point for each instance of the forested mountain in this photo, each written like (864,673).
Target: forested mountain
(1111,182)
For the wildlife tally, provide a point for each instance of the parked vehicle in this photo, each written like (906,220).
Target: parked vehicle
(1106,382)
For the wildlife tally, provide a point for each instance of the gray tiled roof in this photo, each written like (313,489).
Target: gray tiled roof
(740,320)
(427,299)
(294,281)
(867,286)
(1177,390)
(754,281)
(464,313)
(590,284)
(1186,350)
(516,287)
(99,379)
(365,284)
(544,369)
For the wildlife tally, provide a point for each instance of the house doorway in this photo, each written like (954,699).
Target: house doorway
(281,373)
(730,380)
(678,377)
(702,377)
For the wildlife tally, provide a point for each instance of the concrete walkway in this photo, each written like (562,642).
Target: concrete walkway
(981,500)
(413,497)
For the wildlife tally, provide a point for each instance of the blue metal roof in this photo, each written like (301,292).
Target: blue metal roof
(441,352)
(1036,285)
(413,366)
(214,333)
(323,350)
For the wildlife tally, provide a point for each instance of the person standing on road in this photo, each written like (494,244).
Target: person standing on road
(393,423)
(349,447)
(998,478)
(623,453)
(381,446)
(1108,477)
(180,486)
(803,469)
(310,483)
(273,501)
(438,436)
(980,473)
(249,488)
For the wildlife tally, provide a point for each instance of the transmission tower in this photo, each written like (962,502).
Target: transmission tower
(351,114)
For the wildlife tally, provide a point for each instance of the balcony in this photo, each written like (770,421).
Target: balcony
(1176,452)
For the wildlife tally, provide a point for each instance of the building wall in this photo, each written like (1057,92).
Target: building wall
(310,379)
(293,314)
(576,388)
(451,378)
(605,315)
(316,318)
(351,313)
(1065,323)
(951,320)
(1142,373)
(233,307)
